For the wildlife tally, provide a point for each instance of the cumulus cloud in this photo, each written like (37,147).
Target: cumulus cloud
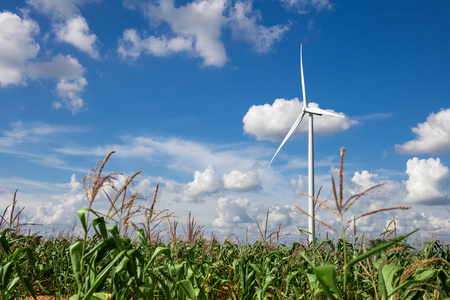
(196,28)
(305,6)
(17,50)
(272,122)
(17,47)
(60,66)
(71,81)
(68,24)
(204,183)
(231,212)
(244,25)
(131,45)
(200,21)
(298,184)
(241,181)
(427,181)
(377,198)
(64,209)
(75,31)
(280,215)
(60,9)
(433,136)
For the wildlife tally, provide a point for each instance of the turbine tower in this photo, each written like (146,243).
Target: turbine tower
(311,111)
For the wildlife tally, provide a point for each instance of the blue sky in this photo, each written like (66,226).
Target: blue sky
(199,94)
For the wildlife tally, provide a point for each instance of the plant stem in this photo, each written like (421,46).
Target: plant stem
(344,290)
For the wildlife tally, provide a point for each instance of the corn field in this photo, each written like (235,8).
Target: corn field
(118,258)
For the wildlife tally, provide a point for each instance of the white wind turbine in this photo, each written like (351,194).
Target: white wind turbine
(311,111)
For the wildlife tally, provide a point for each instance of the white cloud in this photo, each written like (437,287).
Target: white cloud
(200,21)
(243,23)
(68,24)
(75,31)
(182,155)
(63,211)
(231,212)
(59,67)
(241,181)
(305,6)
(433,136)
(272,122)
(131,45)
(60,9)
(386,195)
(365,180)
(280,215)
(34,132)
(71,81)
(298,184)
(69,91)
(205,182)
(196,28)
(427,181)
(17,47)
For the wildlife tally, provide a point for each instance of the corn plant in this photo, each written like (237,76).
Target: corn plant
(11,268)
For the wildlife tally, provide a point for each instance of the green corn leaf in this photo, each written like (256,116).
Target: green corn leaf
(423,277)
(255,267)
(75,251)
(387,278)
(114,230)
(100,224)
(101,277)
(5,245)
(17,253)
(82,217)
(289,279)
(326,241)
(158,251)
(267,283)
(6,273)
(378,249)
(305,257)
(304,230)
(31,258)
(187,287)
(442,277)
(12,284)
(26,282)
(147,291)
(100,296)
(122,265)
(327,277)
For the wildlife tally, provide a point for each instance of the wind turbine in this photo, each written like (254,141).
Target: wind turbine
(311,111)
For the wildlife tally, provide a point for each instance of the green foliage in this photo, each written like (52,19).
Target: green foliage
(109,262)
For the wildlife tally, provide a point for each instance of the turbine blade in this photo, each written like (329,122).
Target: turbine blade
(288,135)
(319,111)
(303,79)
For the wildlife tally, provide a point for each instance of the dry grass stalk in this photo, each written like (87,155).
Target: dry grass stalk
(93,181)
(192,232)
(378,211)
(341,205)
(409,270)
(262,228)
(172,233)
(153,218)
(315,219)
(13,224)
(122,190)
